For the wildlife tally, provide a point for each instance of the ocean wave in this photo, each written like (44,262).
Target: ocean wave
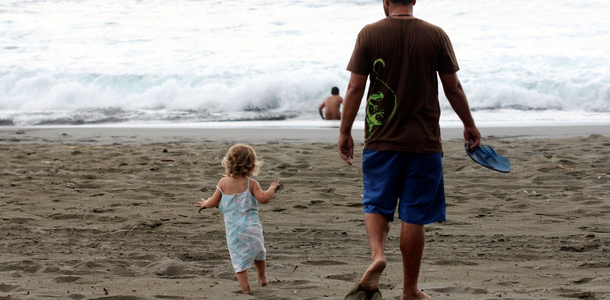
(256,61)
(25,91)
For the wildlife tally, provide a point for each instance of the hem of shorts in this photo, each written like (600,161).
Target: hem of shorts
(427,222)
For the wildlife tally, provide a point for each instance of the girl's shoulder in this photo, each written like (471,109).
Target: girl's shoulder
(225,182)
(253,183)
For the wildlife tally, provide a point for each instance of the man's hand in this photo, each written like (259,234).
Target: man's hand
(345,146)
(472,137)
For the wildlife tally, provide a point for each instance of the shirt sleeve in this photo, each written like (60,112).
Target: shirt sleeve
(359,62)
(447,62)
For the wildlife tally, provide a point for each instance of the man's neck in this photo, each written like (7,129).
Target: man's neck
(401,11)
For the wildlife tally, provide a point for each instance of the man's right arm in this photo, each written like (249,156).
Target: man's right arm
(351,105)
(457,98)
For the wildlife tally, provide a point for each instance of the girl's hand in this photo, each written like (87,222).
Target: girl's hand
(201,204)
(277,185)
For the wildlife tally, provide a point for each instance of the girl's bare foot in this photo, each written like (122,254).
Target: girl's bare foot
(246,291)
(260,272)
(262,280)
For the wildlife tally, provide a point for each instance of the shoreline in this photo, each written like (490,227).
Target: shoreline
(259,135)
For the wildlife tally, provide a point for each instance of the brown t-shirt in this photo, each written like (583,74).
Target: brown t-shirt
(402,57)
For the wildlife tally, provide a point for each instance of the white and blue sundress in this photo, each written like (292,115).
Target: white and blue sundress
(244,229)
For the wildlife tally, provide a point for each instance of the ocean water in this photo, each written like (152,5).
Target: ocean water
(87,62)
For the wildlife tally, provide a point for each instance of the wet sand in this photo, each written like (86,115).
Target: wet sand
(109,214)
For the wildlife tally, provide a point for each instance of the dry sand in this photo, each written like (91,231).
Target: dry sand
(111,215)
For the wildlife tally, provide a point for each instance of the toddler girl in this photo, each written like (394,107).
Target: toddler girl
(237,195)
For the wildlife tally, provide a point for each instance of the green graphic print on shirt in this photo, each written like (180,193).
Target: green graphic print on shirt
(375,116)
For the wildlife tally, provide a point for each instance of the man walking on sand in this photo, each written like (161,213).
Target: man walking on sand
(332,105)
(402,159)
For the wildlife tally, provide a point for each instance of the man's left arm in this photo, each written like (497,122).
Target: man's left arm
(351,105)
(320,109)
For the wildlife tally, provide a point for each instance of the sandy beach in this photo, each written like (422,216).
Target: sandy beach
(109,213)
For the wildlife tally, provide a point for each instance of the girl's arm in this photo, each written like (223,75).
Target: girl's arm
(265,196)
(210,202)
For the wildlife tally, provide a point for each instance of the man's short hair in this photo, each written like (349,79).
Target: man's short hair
(403,2)
(334,90)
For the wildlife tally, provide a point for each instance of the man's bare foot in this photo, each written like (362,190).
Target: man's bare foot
(419,294)
(370,279)
(263,280)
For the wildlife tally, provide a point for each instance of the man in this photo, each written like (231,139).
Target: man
(402,160)
(332,104)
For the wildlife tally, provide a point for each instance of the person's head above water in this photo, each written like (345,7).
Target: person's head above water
(334,90)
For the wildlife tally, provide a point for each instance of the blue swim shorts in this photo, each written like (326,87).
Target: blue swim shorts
(412,181)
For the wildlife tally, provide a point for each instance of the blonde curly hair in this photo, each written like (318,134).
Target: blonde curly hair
(241,161)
